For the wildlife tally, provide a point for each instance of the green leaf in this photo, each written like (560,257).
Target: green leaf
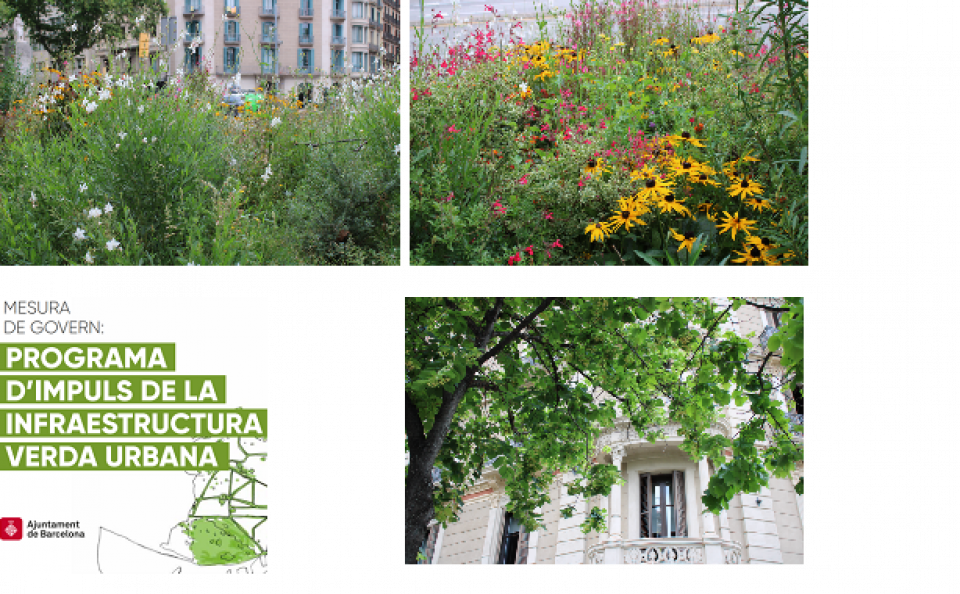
(773,343)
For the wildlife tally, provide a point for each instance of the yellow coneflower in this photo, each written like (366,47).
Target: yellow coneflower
(597,231)
(689,167)
(595,167)
(671,203)
(749,255)
(688,138)
(744,187)
(626,217)
(654,187)
(762,243)
(734,223)
(686,240)
(758,204)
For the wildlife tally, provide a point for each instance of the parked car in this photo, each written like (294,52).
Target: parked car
(233,97)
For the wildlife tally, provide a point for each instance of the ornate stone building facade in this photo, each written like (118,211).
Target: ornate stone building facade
(656,516)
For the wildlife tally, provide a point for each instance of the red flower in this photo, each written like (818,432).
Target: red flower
(523,180)
(548,215)
(528,249)
(453,128)
(556,244)
(514,259)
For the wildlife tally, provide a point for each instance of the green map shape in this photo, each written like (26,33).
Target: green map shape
(219,541)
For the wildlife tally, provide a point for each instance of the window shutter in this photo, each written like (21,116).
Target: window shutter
(680,502)
(522,548)
(164,35)
(505,523)
(646,498)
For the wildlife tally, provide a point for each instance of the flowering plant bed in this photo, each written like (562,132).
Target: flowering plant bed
(627,133)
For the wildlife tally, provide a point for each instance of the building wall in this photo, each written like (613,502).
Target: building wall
(770,531)
(463,540)
(288,21)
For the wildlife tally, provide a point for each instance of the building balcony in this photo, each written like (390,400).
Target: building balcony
(338,70)
(357,69)
(666,551)
(269,69)
(270,39)
(269,13)
(374,48)
(194,8)
(306,13)
(230,69)
(189,38)
(306,40)
(377,26)
(229,39)
(337,15)
(337,41)
(231,11)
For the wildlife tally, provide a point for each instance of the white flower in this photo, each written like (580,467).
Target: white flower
(236,79)
(79,234)
(274,122)
(153,139)
(112,245)
(140,109)
(108,208)
(523,87)
(33,199)
(139,19)
(72,27)
(94,213)
(83,187)
(122,135)
(190,263)
(72,78)
(104,94)
(96,29)
(266,175)
(91,106)
(89,258)
(116,146)
(233,161)
(396,149)
(144,140)
(122,54)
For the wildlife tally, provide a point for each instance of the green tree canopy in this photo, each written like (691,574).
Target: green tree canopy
(527,384)
(67,27)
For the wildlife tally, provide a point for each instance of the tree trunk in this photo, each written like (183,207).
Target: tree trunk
(419,506)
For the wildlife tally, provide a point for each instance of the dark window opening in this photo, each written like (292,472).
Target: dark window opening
(510,543)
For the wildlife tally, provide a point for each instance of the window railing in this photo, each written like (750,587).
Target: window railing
(337,40)
(306,38)
(192,37)
(193,8)
(659,551)
(269,68)
(269,11)
(231,68)
(338,14)
(338,70)
(357,68)
(306,12)
(231,10)
(231,37)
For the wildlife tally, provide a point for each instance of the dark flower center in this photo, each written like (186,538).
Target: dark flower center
(592,163)
(745,183)
(685,135)
(651,183)
(755,252)
(703,177)
(625,214)
(686,165)
(668,198)
(766,242)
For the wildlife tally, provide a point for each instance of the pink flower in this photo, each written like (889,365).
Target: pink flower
(528,249)
(548,215)
(453,128)
(514,259)
(523,180)
(499,208)
(448,197)
(556,244)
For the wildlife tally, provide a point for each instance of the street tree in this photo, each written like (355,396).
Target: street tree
(65,28)
(527,384)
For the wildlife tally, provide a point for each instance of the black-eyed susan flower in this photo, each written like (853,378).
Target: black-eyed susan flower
(688,138)
(661,41)
(749,255)
(689,167)
(595,167)
(703,178)
(744,187)
(598,231)
(626,217)
(758,204)
(654,187)
(686,240)
(763,243)
(734,223)
(671,203)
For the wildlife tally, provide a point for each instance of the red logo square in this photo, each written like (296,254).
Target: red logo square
(11,528)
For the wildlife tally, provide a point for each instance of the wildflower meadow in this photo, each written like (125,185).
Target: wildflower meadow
(619,132)
(108,168)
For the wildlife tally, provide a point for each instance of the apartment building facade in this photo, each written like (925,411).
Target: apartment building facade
(279,43)
(657,515)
